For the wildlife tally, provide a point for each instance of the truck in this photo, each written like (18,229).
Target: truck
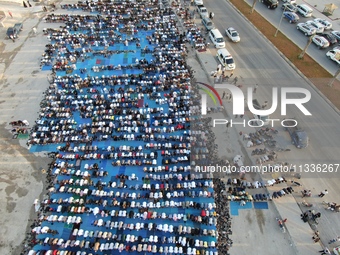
(299,136)
(13,32)
(260,120)
(203,12)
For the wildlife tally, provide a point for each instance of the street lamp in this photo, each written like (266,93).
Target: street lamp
(278,27)
(253,6)
(304,50)
(334,78)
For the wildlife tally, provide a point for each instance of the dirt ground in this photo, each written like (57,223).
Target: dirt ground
(21,85)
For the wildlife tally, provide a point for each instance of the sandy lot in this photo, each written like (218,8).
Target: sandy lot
(21,86)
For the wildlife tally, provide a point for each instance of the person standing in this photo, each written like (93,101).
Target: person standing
(219,68)
(227,126)
(255,88)
(223,95)
(316,239)
(235,80)
(323,193)
(325,251)
(34,29)
(24,3)
(10,14)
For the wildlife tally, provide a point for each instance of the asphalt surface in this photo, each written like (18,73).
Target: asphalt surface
(257,62)
(274,16)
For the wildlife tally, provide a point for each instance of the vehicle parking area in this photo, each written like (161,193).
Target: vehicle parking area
(323,24)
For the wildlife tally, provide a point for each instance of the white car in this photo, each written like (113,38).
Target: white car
(324,22)
(306,29)
(319,27)
(320,41)
(198,2)
(336,34)
(232,34)
(289,1)
(334,55)
(289,7)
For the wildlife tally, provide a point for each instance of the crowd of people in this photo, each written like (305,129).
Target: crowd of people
(122,114)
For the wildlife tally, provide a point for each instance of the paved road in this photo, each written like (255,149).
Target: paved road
(274,16)
(258,62)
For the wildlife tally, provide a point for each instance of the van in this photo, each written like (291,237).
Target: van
(217,38)
(226,59)
(304,10)
(207,23)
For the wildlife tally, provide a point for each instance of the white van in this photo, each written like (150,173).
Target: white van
(217,38)
(226,59)
(304,10)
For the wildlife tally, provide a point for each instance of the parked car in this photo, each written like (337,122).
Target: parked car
(207,23)
(326,23)
(198,2)
(292,17)
(331,38)
(319,27)
(232,34)
(334,55)
(271,4)
(320,41)
(289,7)
(336,34)
(306,29)
(304,10)
(289,1)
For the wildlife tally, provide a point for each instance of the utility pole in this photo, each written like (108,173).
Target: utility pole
(253,6)
(334,78)
(304,50)
(278,27)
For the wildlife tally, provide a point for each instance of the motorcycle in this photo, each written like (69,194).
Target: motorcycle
(306,193)
(282,227)
(304,203)
(331,206)
(270,143)
(259,151)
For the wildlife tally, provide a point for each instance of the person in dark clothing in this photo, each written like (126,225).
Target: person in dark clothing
(24,3)
(223,95)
